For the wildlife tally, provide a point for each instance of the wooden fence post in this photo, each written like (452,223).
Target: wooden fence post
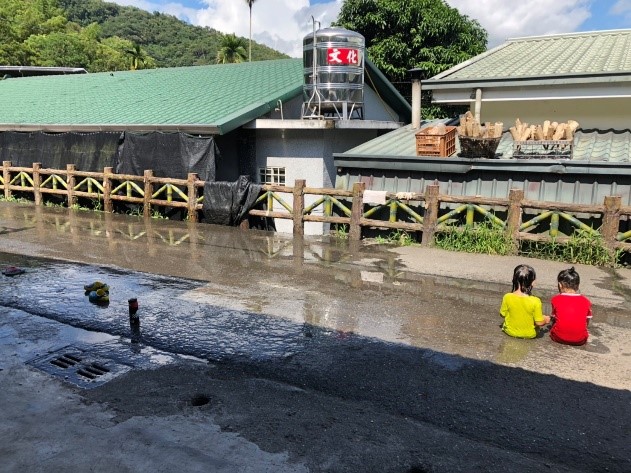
(70,185)
(108,205)
(431,214)
(6,175)
(37,180)
(357,211)
(148,191)
(299,207)
(513,217)
(611,220)
(192,197)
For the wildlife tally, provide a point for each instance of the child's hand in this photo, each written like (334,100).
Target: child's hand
(546,318)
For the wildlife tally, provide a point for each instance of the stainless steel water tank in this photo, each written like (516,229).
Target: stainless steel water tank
(333,73)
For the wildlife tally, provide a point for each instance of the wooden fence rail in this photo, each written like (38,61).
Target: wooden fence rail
(340,207)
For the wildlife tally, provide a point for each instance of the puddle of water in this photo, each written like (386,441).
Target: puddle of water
(235,305)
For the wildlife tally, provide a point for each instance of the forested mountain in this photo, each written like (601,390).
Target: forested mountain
(170,41)
(101,36)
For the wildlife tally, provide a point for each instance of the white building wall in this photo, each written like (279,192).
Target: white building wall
(297,168)
(306,154)
(375,108)
(602,113)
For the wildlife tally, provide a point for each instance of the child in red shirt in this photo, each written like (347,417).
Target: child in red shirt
(571,311)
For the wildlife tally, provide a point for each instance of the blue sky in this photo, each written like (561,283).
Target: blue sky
(282,24)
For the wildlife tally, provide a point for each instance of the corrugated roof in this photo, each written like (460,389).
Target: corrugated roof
(400,142)
(590,146)
(215,99)
(590,53)
(223,96)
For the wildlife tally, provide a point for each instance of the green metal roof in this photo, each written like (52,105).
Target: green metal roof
(218,98)
(590,146)
(596,53)
(200,99)
(400,142)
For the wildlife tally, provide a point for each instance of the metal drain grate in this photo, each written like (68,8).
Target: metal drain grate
(79,367)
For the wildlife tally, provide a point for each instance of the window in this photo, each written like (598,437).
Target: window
(272,175)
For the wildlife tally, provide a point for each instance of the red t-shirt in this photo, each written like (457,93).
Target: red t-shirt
(571,312)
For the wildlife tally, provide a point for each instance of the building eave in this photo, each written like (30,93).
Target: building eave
(531,81)
(61,128)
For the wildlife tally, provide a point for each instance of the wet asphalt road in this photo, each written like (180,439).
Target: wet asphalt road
(337,358)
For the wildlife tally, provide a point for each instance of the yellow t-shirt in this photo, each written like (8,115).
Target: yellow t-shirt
(520,313)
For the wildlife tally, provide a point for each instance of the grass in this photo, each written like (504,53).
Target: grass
(340,232)
(96,205)
(582,247)
(139,212)
(12,198)
(484,237)
(397,237)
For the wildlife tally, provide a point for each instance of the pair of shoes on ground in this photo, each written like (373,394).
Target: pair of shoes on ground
(97,292)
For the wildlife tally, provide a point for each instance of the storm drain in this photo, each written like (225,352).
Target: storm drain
(79,367)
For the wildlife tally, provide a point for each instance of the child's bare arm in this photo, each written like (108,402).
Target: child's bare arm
(545,321)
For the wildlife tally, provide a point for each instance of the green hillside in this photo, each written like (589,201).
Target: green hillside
(170,41)
(100,36)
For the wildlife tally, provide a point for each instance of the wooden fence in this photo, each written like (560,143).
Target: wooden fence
(434,211)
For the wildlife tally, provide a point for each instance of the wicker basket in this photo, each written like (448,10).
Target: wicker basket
(478,147)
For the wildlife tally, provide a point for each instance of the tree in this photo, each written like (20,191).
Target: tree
(413,34)
(231,50)
(136,56)
(250,3)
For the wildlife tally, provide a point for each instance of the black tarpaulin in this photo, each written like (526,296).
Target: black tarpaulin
(227,203)
(172,155)
(88,151)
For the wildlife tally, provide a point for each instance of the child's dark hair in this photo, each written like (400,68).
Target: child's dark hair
(523,277)
(569,279)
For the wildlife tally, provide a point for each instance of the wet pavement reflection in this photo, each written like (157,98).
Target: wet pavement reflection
(216,293)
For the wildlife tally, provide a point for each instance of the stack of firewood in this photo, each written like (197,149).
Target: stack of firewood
(549,131)
(472,128)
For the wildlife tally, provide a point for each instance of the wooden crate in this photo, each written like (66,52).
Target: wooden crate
(429,142)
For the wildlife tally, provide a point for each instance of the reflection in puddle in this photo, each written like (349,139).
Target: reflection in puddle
(513,350)
(254,293)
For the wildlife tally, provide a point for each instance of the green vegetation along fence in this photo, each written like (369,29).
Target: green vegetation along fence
(427,213)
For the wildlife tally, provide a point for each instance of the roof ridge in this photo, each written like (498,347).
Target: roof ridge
(570,34)
(468,62)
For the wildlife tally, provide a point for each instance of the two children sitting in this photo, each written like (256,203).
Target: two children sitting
(571,311)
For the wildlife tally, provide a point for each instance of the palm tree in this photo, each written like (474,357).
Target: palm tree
(231,50)
(250,3)
(137,56)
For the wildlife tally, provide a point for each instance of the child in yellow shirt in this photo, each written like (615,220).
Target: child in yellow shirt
(522,311)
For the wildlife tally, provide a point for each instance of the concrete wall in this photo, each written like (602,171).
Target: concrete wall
(374,108)
(590,113)
(306,154)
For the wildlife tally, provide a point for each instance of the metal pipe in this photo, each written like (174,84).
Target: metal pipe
(478,104)
(416,103)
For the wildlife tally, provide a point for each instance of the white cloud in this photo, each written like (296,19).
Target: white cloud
(621,7)
(509,19)
(282,24)
(175,9)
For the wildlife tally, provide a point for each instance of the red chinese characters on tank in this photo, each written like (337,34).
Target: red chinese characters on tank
(343,56)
